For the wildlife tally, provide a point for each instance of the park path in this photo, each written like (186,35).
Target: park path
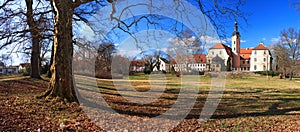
(14,78)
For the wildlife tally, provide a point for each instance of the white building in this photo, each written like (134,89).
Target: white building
(218,56)
(195,62)
(260,58)
(222,57)
(137,66)
(164,65)
(8,69)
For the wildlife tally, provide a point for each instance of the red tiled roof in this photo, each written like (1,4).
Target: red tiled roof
(25,64)
(200,58)
(195,58)
(245,53)
(261,46)
(223,46)
(246,50)
(218,46)
(137,63)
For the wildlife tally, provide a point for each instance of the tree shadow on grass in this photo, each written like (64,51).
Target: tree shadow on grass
(251,103)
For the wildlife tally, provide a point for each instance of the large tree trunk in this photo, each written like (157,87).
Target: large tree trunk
(35,37)
(35,62)
(61,83)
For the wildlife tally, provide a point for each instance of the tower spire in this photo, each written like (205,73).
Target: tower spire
(235,26)
(236,62)
(235,32)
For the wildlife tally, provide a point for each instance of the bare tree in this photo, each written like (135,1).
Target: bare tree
(183,48)
(25,28)
(104,60)
(151,61)
(288,51)
(61,83)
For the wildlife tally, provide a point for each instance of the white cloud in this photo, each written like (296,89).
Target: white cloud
(243,41)
(129,53)
(210,40)
(228,40)
(275,40)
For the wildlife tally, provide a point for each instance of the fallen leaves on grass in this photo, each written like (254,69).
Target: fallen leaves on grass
(21,111)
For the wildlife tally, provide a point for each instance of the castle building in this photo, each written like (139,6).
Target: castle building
(221,57)
(261,58)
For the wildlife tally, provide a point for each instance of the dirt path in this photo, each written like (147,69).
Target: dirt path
(14,78)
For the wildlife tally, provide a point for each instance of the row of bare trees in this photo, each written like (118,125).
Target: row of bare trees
(43,23)
(27,28)
(287,52)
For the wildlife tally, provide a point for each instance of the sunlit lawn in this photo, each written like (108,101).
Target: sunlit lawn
(246,97)
(242,95)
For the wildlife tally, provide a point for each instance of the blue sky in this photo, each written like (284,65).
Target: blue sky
(267,18)
(265,21)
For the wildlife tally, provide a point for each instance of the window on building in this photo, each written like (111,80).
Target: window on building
(255,67)
(243,62)
(264,52)
(255,60)
(212,52)
(220,52)
(264,59)
(255,52)
(264,67)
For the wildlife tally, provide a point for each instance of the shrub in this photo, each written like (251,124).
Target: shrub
(271,73)
(172,71)
(26,73)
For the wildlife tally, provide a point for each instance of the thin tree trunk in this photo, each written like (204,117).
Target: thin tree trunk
(291,75)
(35,37)
(49,73)
(61,83)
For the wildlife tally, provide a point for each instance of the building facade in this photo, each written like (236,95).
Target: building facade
(261,58)
(164,65)
(222,57)
(218,57)
(188,63)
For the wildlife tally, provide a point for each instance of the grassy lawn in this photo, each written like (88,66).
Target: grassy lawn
(5,76)
(248,104)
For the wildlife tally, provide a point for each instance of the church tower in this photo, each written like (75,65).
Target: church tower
(235,45)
